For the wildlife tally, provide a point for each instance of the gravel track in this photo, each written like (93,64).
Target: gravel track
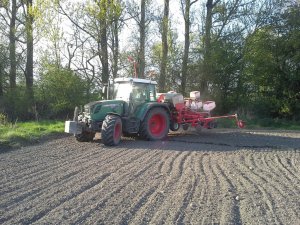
(216,177)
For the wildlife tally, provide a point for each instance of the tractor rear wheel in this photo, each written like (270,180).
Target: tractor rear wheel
(111,130)
(156,125)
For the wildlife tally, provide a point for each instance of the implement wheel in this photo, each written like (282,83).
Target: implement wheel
(111,130)
(155,125)
(174,126)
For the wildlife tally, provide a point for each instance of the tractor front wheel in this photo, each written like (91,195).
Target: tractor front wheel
(156,125)
(111,130)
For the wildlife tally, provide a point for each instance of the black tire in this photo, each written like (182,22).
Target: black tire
(185,126)
(174,126)
(85,136)
(156,125)
(199,128)
(111,130)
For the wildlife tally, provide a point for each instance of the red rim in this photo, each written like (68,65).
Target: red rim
(157,124)
(117,131)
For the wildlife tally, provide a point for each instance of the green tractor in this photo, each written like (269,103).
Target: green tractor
(134,111)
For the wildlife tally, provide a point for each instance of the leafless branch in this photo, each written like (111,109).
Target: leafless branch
(74,22)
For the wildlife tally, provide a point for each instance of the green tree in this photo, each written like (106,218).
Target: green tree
(58,91)
(272,69)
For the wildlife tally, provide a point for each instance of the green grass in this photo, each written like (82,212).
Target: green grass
(14,135)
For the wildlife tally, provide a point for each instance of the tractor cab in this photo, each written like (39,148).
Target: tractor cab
(134,91)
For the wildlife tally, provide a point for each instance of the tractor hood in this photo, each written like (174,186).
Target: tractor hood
(99,109)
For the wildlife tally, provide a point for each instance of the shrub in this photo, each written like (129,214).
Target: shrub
(59,91)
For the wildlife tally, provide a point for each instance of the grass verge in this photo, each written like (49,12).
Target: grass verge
(22,133)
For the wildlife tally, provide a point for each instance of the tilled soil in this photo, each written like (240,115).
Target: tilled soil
(216,177)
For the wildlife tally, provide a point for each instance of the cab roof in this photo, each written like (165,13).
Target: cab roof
(134,80)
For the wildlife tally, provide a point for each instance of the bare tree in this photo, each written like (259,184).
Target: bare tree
(186,6)
(207,67)
(143,16)
(29,19)
(142,27)
(95,20)
(12,45)
(10,19)
(3,65)
(164,39)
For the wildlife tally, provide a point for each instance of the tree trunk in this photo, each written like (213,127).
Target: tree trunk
(12,46)
(1,80)
(186,46)
(207,73)
(29,60)
(115,48)
(165,27)
(104,54)
(103,44)
(142,25)
(208,26)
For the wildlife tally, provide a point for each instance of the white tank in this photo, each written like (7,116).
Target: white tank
(209,105)
(195,94)
(174,98)
(196,105)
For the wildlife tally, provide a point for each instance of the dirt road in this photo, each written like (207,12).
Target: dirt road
(217,177)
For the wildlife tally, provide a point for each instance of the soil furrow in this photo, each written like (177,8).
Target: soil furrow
(88,197)
(114,195)
(219,177)
(200,198)
(274,176)
(44,164)
(265,185)
(165,191)
(178,184)
(250,197)
(156,199)
(56,164)
(230,206)
(59,188)
(43,182)
(284,167)
(188,196)
(213,189)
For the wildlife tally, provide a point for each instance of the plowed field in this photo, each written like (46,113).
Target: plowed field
(216,177)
